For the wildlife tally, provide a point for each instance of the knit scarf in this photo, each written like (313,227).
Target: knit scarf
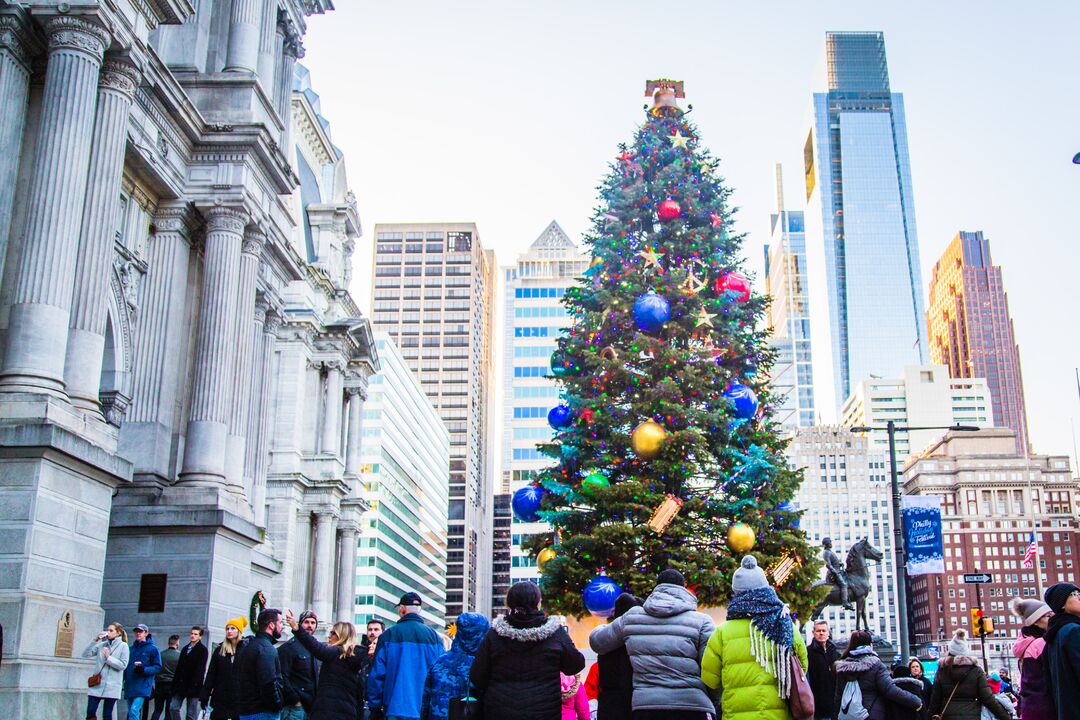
(772,636)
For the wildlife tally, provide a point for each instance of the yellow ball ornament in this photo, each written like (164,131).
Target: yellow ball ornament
(741,538)
(647,439)
(546,555)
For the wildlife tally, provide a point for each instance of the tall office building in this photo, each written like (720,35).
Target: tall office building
(533,316)
(992,499)
(405,458)
(434,295)
(792,378)
(971,331)
(845,497)
(923,396)
(862,250)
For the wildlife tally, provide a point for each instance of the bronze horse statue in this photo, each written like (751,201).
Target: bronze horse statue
(858,579)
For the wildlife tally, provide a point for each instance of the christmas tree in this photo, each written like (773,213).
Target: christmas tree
(666,453)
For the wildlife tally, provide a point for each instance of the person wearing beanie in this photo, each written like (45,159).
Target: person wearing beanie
(961,691)
(664,639)
(615,676)
(916,670)
(749,655)
(1033,683)
(882,697)
(299,672)
(1063,648)
(902,677)
(221,688)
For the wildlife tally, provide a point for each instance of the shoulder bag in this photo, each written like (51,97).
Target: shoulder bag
(801,698)
(95,679)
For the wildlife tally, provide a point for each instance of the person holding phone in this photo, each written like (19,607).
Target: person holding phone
(110,653)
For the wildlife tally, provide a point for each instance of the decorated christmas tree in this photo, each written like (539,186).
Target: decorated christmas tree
(664,453)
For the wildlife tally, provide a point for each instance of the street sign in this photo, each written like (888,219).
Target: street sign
(978,578)
(933,651)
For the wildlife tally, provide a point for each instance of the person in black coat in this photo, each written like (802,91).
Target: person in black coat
(906,681)
(340,693)
(915,668)
(299,670)
(259,688)
(861,664)
(821,675)
(516,671)
(188,679)
(221,684)
(616,674)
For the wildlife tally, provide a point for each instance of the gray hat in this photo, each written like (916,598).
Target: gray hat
(748,577)
(1029,611)
(142,627)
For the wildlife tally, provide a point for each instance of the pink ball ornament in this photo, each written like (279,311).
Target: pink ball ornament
(668,210)
(735,282)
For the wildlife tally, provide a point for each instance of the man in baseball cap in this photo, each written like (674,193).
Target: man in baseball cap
(402,659)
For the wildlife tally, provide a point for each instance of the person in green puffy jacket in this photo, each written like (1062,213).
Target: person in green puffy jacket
(748,656)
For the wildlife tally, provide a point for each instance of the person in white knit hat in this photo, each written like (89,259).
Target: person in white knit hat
(1033,681)
(960,688)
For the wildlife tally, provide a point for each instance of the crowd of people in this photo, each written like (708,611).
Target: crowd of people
(657,659)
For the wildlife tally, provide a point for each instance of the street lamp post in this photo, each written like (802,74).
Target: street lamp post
(899,559)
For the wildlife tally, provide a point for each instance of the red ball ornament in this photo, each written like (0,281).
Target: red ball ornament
(668,210)
(587,415)
(736,282)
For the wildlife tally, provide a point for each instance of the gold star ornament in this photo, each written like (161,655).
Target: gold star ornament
(652,259)
(704,318)
(679,140)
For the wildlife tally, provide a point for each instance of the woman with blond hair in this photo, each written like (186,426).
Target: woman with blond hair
(222,685)
(340,694)
(110,652)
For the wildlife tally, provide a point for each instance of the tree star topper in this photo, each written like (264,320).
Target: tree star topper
(679,140)
(652,258)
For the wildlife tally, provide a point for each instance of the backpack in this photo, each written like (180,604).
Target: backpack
(851,707)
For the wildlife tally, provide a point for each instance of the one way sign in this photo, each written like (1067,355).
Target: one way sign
(978,578)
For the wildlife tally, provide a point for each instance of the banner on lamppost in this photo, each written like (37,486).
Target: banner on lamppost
(922,534)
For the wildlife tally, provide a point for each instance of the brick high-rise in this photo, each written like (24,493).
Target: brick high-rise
(971,331)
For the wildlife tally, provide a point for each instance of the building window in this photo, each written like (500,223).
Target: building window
(152,592)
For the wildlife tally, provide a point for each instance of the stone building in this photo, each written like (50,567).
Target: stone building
(183,369)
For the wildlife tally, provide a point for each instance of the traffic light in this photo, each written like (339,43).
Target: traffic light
(976,622)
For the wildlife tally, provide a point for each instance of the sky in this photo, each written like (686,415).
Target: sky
(507,114)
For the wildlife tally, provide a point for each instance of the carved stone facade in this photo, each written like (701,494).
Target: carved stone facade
(182,368)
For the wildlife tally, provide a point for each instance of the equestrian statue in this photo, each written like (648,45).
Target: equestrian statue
(850,583)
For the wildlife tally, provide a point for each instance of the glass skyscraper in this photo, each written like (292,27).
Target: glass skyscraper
(863,252)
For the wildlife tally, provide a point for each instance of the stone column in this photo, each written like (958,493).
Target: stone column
(259,380)
(261,460)
(331,415)
(38,326)
(357,396)
(291,51)
(215,349)
(89,304)
(244,28)
(322,564)
(268,46)
(16,46)
(254,240)
(346,579)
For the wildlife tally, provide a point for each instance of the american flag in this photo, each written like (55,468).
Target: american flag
(1029,554)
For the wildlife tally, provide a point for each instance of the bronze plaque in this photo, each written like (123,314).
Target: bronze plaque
(65,635)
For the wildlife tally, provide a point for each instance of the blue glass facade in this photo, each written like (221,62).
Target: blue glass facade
(868,308)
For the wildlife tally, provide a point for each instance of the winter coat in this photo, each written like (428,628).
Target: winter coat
(972,694)
(340,695)
(221,689)
(896,711)
(169,658)
(1005,702)
(748,691)
(259,674)
(575,704)
(1063,650)
(516,671)
(190,669)
(299,674)
(111,668)
(1036,701)
(925,691)
(616,683)
(139,681)
(665,639)
(403,657)
(879,690)
(448,678)
(822,677)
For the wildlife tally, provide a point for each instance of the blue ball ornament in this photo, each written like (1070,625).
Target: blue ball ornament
(526,503)
(599,596)
(789,507)
(651,311)
(744,399)
(560,416)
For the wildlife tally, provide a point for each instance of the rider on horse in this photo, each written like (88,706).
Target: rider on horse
(834,572)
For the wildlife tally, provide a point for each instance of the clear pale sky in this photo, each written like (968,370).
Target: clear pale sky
(507,113)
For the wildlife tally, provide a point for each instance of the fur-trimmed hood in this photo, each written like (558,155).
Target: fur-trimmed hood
(533,634)
(857,664)
(957,660)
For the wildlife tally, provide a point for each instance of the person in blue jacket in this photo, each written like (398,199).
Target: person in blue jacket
(403,657)
(448,678)
(144,662)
